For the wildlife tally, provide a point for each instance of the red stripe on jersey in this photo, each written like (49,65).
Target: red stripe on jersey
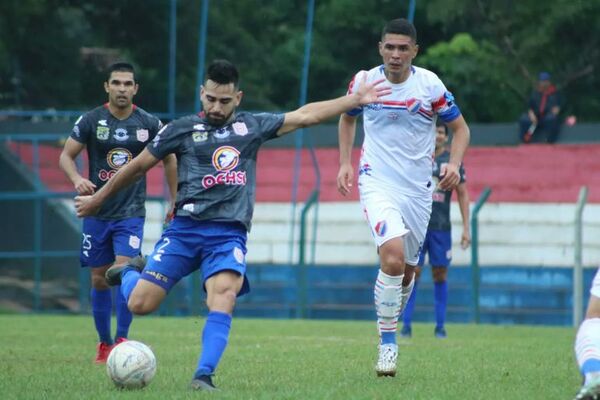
(439,103)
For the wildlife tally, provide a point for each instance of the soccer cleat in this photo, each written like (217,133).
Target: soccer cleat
(386,364)
(120,340)
(113,274)
(591,391)
(203,382)
(406,332)
(102,352)
(440,333)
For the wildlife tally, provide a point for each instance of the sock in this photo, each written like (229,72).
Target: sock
(405,293)
(410,306)
(124,316)
(587,348)
(214,340)
(101,310)
(129,277)
(387,304)
(441,298)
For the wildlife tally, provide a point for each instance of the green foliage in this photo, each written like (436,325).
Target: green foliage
(51,357)
(487,52)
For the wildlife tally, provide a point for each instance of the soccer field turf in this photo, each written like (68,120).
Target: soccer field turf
(50,357)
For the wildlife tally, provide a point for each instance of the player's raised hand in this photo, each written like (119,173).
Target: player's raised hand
(373,91)
(450,176)
(86,206)
(345,178)
(84,187)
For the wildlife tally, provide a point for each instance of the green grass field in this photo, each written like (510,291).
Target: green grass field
(50,357)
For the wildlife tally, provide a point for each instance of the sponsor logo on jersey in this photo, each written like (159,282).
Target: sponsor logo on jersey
(381,228)
(199,136)
(199,127)
(102,122)
(225,159)
(240,128)
(157,137)
(76,130)
(365,169)
(157,275)
(393,115)
(134,242)
(142,135)
(413,105)
(118,157)
(105,175)
(121,134)
(221,133)
(102,132)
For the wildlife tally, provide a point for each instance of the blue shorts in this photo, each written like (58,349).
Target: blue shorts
(187,245)
(105,239)
(438,245)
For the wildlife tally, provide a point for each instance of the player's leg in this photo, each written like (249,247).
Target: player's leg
(127,243)
(440,255)
(587,345)
(410,306)
(224,267)
(97,253)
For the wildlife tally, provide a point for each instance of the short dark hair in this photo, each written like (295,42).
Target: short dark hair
(223,72)
(439,122)
(121,67)
(400,26)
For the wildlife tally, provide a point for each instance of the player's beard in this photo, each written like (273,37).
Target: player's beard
(220,120)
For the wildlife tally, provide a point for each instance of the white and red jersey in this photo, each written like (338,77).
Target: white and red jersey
(400,131)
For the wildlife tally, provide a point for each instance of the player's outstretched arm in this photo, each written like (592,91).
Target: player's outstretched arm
(315,113)
(461,136)
(89,205)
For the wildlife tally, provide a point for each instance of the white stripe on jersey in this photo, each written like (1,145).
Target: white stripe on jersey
(400,131)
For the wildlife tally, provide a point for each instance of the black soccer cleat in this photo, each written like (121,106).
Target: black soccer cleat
(113,274)
(203,382)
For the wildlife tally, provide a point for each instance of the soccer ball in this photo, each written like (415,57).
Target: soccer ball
(131,365)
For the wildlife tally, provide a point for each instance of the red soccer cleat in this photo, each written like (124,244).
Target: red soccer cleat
(102,352)
(120,340)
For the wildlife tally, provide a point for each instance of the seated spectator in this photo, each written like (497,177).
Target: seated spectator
(542,115)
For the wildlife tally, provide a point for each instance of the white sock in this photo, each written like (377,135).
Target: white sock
(387,301)
(406,291)
(587,348)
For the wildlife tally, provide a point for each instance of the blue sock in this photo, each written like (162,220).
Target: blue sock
(214,341)
(129,277)
(410,306)
(441,298)
(101,310)
(124,316)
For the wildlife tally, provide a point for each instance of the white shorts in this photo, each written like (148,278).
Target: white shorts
(595,290)
(391,214)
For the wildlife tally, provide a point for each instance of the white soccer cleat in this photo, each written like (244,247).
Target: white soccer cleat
(591,391)
(386,364)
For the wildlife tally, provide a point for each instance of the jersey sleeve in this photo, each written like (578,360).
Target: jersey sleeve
(82,129)
(269,124)
(443,103)
(165,142)
(352,87)
(155,125)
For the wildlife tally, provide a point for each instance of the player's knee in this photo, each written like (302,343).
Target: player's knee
(392,262)
(439,274)
(140,305)
(99,282)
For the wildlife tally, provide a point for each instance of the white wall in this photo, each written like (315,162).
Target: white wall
(510,234)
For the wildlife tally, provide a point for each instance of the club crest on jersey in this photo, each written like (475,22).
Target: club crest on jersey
(240,128)
(121,135)
(118,157)
(413,105)
(381,228)
(221,133)
(199,136)
(142,135)
(102,132)
(225,159)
